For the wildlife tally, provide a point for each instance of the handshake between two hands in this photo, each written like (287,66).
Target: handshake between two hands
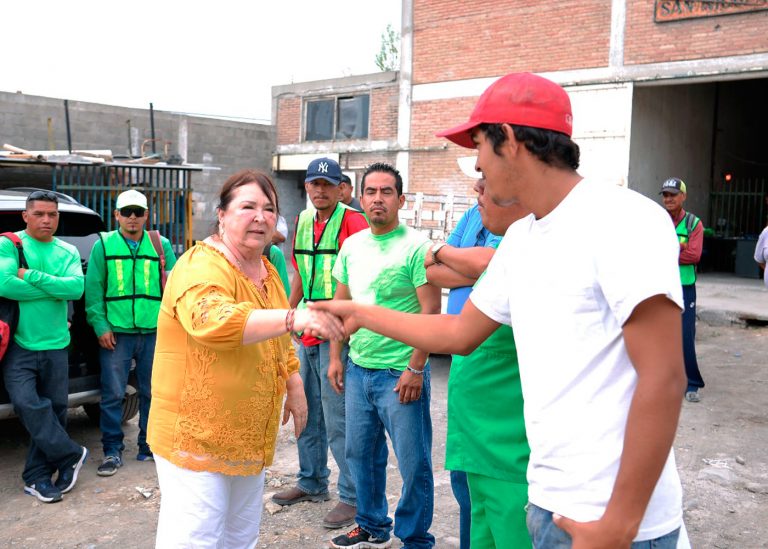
(331,320)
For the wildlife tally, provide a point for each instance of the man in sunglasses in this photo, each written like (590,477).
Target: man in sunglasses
(123,289)
(36,365)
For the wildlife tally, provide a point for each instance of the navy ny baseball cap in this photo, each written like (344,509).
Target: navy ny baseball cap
(324,168)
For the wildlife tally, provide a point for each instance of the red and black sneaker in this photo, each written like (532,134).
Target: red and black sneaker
(359,539)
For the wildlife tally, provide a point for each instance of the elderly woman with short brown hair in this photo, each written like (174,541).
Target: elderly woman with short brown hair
(223,363)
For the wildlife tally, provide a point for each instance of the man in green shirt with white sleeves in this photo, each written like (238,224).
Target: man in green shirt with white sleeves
(123,289)
(36,366)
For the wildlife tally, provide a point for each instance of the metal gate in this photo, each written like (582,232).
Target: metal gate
(167,189)
(737,208)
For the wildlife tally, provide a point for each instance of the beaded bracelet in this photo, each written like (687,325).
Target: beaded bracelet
(290,318)
(414,371)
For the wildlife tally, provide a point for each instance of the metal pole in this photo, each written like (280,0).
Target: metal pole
(69,134)
(130,152)
(152,126)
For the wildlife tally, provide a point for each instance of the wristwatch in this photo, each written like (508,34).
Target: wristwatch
(436,248)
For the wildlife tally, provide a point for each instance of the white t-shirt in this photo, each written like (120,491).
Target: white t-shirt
(566,284)
(761,252)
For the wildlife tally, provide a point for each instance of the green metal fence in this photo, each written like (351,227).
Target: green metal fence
(167,188)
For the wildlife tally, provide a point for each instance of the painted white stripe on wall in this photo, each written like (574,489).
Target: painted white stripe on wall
(618,23)
(404,100)
(699,70)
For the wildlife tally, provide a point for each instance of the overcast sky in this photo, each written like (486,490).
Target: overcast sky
(216,58)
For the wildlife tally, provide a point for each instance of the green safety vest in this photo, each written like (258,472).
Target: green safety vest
(316,262)
(133,290)
(683,230)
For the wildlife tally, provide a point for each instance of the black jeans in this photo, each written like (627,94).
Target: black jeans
(695,381)
(37,382)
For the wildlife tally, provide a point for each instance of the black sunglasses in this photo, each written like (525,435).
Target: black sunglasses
(43,195)
(128,210)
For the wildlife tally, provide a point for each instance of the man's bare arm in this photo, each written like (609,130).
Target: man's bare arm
(335,366)
(445,277)
(297,290)
(653,336)
(410,383)
(470,262)
(445,334)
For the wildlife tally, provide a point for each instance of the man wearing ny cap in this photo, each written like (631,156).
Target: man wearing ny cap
(690,236)
(589,284)
(123,289)
(320,233)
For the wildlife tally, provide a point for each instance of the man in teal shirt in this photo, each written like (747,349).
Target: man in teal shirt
(36,366)
(387,386)
(123,289)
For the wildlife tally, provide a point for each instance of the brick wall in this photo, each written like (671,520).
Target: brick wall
(650,42)
(288,120)
(383,115)
(433,167)
(454,40)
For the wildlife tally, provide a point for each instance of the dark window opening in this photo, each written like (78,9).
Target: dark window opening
(337,118)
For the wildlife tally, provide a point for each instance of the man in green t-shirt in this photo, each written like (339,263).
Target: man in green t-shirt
(36,365)
(123,289)
(387,385)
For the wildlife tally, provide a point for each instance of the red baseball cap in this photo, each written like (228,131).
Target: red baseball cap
(519,98)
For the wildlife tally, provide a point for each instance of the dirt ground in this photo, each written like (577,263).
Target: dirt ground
(720,448)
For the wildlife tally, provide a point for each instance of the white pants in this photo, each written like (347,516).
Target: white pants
(207,510)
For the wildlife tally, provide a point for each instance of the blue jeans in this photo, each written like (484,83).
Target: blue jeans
(115,367)
(460,489)
(546,535)
(376,409)
(38,385)
(326,426)
(695,381)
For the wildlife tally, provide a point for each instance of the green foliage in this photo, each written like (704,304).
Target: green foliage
(388,58)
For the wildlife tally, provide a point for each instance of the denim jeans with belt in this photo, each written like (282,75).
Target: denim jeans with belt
(115,367)
(377,411)
(38,385)
(326,426)
(544,533)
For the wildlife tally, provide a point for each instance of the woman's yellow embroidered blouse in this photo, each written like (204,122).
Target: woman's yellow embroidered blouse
(216,404)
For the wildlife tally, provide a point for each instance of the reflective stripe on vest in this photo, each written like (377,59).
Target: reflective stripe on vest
(315,261)
(132,293)
(683,230)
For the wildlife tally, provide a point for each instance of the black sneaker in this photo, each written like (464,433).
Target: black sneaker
(145,454)
(359,539)
(68,476)
(109,466)
(44,490)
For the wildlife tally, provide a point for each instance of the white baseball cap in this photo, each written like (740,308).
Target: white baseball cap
(131,198)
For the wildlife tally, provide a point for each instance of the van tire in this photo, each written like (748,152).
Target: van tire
(130,406)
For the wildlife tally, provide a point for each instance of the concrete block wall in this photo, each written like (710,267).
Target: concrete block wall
(224,144)
(455,40)
(649,42)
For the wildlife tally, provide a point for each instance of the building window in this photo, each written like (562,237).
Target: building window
(337,118)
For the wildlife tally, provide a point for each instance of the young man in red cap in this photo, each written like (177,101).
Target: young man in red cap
(596,317)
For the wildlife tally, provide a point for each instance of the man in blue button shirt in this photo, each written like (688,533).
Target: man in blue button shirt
(457,264)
